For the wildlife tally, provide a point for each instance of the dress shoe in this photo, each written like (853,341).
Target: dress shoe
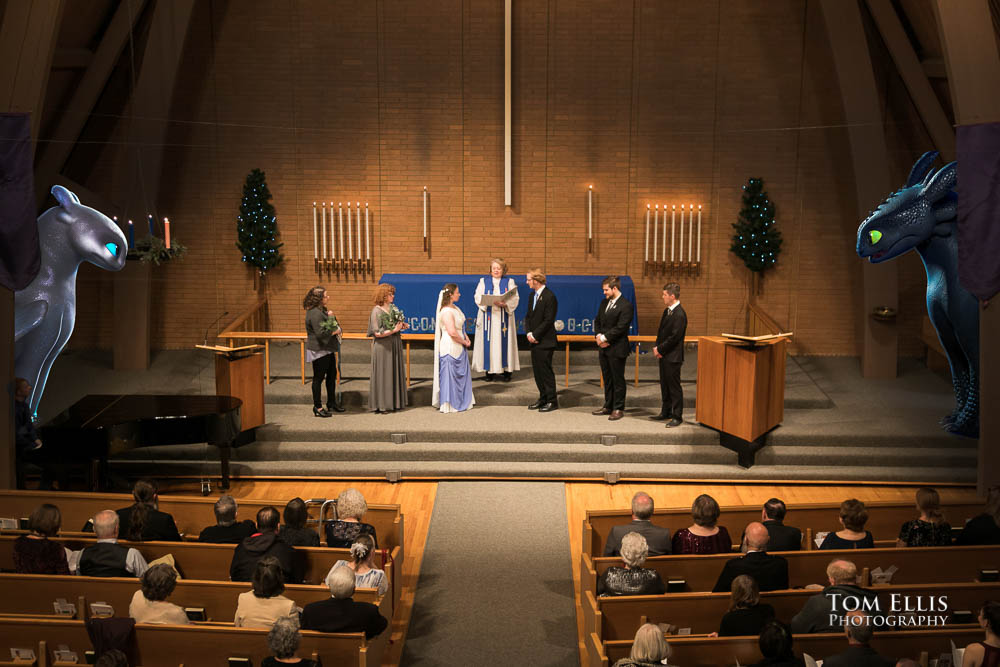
(548,407)
(506,376)
(616,415)
(336,407)
(673,423)
(320,412)
(601,411)
(536,405)
(490,377)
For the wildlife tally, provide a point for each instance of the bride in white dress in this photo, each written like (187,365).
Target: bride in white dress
(452,376)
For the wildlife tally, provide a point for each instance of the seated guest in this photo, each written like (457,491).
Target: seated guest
(816,613)
(704,536)
(266,542)
(633,579)
(746,615)
(649,648)
(853,517)
(227,530)
(984,528)
(294,530)
(142,521)
(783,538)
(342,531)
(858,628)
(149,604)
(775,644)
(35,553)
(341,613)
(657,537)
(362,564)
(283,640)
(107,558)
(930,529)
(263,605)
(987,652)
(770,572)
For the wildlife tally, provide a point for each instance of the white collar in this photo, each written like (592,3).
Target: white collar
(539,290)
(671,308)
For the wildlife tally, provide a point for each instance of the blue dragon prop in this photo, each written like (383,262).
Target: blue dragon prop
(922,216)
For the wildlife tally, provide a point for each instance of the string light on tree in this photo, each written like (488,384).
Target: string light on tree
(756,241)
(256,225)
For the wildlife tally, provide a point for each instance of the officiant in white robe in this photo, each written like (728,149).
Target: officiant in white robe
(495,348)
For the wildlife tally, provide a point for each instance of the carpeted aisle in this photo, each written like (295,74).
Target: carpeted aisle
(495,585)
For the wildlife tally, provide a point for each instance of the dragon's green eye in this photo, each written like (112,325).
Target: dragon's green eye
(875,235)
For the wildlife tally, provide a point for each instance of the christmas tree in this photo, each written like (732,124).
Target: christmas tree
(256,225)
(756,241)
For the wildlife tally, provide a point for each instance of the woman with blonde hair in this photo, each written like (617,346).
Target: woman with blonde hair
(495,350)
(930,529)
(746,615)
(387,391)
(362,563)
(344,530)
(649,648)
(452,386)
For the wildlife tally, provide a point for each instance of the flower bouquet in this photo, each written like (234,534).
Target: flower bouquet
(391,319)
(329,324)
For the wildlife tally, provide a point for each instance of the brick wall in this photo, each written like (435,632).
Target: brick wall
(651,102)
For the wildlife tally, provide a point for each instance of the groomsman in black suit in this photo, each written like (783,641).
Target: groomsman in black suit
(669,350)
(611,329)
(540,325)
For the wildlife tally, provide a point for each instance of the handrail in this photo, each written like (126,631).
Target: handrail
(258,308)
(755,311)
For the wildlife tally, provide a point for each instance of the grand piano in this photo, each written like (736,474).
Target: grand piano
(100,426)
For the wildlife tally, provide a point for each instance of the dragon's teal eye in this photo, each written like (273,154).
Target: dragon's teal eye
(875,235)
(112,248)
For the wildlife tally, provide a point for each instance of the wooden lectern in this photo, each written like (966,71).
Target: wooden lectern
(239,372)
(741,389)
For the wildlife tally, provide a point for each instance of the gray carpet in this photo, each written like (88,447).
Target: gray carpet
(495,585)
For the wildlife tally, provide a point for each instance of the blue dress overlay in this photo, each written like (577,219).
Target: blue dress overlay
(452,376)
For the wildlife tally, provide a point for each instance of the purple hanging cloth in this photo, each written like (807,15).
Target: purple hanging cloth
(19,253)
(979,209)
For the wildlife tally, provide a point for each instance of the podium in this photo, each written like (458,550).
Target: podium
(239,372)
(741,390)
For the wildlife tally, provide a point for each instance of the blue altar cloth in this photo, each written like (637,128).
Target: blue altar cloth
(579,298)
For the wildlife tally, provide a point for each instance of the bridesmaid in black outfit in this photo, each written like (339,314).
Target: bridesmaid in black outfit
(322,346)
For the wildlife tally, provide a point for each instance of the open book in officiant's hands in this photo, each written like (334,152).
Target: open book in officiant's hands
(489,300)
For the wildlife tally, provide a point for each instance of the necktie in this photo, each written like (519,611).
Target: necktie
(534,301)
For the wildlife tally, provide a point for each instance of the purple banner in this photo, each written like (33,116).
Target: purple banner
(979,209)
(19,253)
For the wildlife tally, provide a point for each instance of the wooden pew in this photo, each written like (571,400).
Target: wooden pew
(211,562)
(916,565)
(612,618)
(37,592)
(172,645)
(718,651)
(884,520)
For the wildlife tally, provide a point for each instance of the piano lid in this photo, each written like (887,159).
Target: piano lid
(98,411)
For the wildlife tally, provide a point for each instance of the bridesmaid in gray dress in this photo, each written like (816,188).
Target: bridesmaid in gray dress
(388,377)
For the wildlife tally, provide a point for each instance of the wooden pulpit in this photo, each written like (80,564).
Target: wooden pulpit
(239,372)
(741,389)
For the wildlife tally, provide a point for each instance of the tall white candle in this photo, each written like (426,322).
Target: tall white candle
(368,254)
(673,213)
(590,212)
(690,230)
(647,233)
(699,234)
(680,240)
(350,242)
(340,223)
(359,229)
(656,228)
(425,212)
(333,239)
(315,236)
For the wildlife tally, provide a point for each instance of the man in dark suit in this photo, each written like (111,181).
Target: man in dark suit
(611,333)
(771,572)
(540,325)
(783,538)
(669,350)
(657,537)
(341,613)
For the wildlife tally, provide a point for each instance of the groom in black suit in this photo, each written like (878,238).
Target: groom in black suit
(611,329)
(540,326)
(669,350)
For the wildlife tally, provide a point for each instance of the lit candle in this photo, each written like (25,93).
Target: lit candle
(690,229)
(166,232)
(368,254)
(316,254)
(590,213)
(350,241)
(647,232)
(656,228)
(425,212)
(151,232)
(699,234)
(340,220)
(359,230)
(673,213)
(131,234)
